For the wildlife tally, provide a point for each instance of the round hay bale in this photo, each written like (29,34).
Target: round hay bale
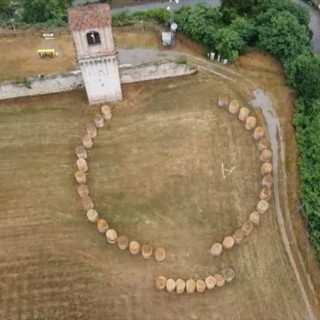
(262,206)
(266,168)
(92,215)
(263,144)
(82,165)
(211,282)
(265,194)
(112,236)
(190,286)
(266,155)
(180,286)
(223,101)
(258,133)
(267,181)
(254,218)
(233,106)
(243,114)
(238,236)
(161,282)
(250,123)
(216,249)
(87,141)
(81,152)
(146,251)
(102,225)
(123,243)
(91,130)
(98,121)
(220,279)
(229,274)
(170,285)
(87,203)
(134,247)
(159,254)
(83,190)
(228,242)
(247,228)
(201,286)
(80,177)
(106,112)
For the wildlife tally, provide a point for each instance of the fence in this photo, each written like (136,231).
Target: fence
(29,33)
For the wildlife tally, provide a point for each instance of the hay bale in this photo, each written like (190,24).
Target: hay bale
(267,181)
(250,123)
(87,203)
(92,130)
(159,254)
(229,274)
(210,282)
(106,112)
(238,236)
(92,215)
(102,225)
(220,279)
(247,228)
(112,236)
(146,251)
(180,286)
(265,194)
(263,144)
(190,286)
(134,247)
(123,243)
(87,141)
(266,155)
(170,285)
(262,206)
(82,165)
(254,218)
(161,282)
(258,133)
(81,152)
(80,177)
(201,286)
(98,121)
(216,249)
(83,190)
(266,168)
(243,114)
(228,242)
(233,106)
(223,101)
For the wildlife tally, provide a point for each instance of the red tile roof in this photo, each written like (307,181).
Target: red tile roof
(89,16)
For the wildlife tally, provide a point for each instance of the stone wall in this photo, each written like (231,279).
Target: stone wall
(73,80)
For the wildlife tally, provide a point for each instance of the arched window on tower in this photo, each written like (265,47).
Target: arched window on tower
(93,38)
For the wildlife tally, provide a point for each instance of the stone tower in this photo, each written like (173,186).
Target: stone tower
(91,29)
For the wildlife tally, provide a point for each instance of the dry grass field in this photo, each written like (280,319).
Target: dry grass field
(155,174)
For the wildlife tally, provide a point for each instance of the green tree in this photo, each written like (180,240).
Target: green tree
(244,27)
(4,5)
(240,6)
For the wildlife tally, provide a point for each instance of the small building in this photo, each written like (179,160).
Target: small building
(166,38)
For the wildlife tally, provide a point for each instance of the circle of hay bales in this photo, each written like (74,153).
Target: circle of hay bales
(91,130)
(92,215)
(201,286)
(228,242)
(87,141)
(98,121)
(146,251)
(247,228)
(254,218)
(216,249)
(180,286)
(243,114)
(210,282)
(262,206)
(220,279)
(170,285)
(258,133)
(233,106)
(160,254)
(238,236)
(80,177)
(266,155)
(82,165)
(87,203)
(161,282)
(134,247)
(83,190)
(250,123)
(123,243)
(112,236)
(267,181)
(223,101)
(265,194)
(102,225)
(266,168)
(190,286)
(263,144)
(81,152)
(229,274)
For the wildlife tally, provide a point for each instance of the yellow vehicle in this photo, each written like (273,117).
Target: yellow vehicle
(46,53)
